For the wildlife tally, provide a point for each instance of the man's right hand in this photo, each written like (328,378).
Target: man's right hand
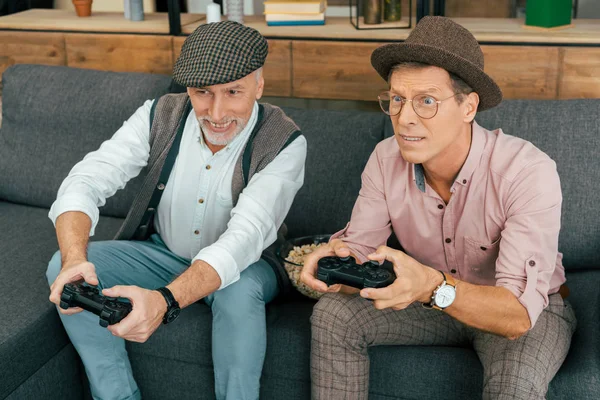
(309,271)
(73,272)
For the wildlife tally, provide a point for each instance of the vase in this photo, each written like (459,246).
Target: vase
(373,12)
(235,10)
(136,10)
(83,8)
(392,10)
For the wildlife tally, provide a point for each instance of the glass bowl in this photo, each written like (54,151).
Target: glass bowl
(292,268)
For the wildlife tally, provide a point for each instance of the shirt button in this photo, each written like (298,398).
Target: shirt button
(453,271)
(208,166)
(448,240)
(160,186)
(464,181)
(532,263)
(200,201)
(196,232)
(440,206)
(483,248)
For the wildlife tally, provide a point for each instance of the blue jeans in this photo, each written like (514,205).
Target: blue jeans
(239,334)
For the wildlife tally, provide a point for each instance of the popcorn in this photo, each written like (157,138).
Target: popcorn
(296,258)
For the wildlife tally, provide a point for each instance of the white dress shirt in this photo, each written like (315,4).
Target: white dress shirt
(195,217)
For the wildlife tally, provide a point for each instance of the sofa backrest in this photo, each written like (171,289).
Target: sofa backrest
(569,132)
(339,145)
(53,116)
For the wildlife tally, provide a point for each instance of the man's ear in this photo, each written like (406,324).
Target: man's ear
(471,103)
(260,87)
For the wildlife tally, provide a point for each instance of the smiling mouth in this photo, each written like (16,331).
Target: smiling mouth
(411,138)
(220,126)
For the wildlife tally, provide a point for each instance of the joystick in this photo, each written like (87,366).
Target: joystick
(346,271)
(109,309)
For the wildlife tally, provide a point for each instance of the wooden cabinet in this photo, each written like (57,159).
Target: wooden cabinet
(579,71)
(133,53)
(335,70)
(31,48)
(523,72)
(329,62)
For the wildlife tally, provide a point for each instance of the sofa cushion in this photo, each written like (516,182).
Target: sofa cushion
(185,346)
(396,371)
(569,132)
(53,116)
(30,332)
(339,145)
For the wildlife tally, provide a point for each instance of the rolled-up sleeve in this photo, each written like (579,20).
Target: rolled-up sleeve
(370,225)
(529,240)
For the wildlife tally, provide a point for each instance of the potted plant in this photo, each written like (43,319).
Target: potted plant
(83,8)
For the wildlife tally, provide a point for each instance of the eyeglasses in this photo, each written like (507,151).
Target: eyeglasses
(425,106)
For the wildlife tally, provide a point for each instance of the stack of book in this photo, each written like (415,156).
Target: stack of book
(295,12)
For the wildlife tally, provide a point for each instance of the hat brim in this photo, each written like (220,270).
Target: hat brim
(386,56)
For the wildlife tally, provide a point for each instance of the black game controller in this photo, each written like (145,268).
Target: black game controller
(346,271)
(109,309)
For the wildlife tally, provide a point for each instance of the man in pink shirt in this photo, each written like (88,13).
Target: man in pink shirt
(477,213)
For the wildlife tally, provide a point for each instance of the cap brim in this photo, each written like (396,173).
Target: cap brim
(385,57)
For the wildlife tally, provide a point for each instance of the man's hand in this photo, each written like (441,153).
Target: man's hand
(148,310)
(309,271)
(73,272)
(414,281)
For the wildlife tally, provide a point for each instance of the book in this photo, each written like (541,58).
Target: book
(294,17)
(293,7)
(295,23)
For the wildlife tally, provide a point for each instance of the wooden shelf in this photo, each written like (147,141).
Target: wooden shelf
(485,30)
(107,22)
(321,62)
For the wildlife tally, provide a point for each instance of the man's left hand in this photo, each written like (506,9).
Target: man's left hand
(414,281)
(148,310)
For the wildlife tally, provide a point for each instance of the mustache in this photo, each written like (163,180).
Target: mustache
(225,120)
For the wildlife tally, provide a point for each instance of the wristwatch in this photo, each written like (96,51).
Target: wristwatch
(444,295)
(173,309)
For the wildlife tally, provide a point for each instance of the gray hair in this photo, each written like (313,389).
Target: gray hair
(258,74)
(458,85)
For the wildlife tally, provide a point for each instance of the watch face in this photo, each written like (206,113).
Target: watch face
(445,296)
(172,315)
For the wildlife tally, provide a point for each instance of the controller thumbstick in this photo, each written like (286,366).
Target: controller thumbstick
(345,259)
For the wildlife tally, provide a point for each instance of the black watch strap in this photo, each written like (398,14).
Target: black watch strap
(172,305)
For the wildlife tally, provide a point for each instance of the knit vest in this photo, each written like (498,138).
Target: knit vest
(272,133)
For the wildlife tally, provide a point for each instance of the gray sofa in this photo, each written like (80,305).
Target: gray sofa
(53,116)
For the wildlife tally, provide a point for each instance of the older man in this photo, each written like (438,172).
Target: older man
(222,174)
(477,213)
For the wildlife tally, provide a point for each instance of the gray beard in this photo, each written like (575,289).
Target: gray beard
(220,140)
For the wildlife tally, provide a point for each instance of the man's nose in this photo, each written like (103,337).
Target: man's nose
(217,109)
(407,115)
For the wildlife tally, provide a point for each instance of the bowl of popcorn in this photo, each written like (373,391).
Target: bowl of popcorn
(293,253)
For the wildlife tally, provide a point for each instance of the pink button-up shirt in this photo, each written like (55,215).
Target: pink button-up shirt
(499,228)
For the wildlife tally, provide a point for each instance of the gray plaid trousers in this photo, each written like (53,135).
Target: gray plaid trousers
(343,327)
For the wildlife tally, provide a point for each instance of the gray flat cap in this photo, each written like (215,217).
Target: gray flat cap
(219,52)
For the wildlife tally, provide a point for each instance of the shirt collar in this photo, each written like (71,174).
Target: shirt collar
(477,145)
(464,176)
